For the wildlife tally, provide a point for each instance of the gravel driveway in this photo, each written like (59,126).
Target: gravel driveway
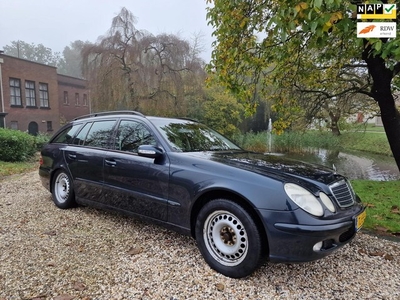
(83,253)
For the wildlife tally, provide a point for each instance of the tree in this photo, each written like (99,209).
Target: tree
(222,111)
(37,53)
(266,42)
(113,65)
(71,62)
(330,95)
(133,69)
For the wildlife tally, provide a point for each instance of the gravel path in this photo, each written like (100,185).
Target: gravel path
(83,253)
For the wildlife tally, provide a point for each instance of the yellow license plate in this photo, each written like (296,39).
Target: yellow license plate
(360,219)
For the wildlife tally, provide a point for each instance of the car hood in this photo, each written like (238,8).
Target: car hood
(276,166)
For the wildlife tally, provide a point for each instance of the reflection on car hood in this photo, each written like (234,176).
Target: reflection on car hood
(273,165)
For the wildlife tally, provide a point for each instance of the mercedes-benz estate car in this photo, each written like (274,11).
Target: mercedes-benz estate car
(241,207)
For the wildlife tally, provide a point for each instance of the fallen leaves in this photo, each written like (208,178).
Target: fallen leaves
(382,254)
(220,287)
(395,210)
(79,286)
(135,251)
(50,233)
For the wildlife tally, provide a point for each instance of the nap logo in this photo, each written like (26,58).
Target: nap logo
(376,29)
(376,11)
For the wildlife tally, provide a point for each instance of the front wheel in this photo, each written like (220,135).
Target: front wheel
(228,238)
(62,190)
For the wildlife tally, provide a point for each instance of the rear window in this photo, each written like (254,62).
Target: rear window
(96,134)
(66,136)
(99,134)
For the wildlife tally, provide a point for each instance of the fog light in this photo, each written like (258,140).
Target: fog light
(317,246)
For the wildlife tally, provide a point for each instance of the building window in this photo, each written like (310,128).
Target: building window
(49,126)
(77,99)
(30,93)
(14,125)
(15,92)
(85,101)
(44,94)
(66,102)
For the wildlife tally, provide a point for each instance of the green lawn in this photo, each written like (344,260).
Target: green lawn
(382,200)
(373,142)
(9,168)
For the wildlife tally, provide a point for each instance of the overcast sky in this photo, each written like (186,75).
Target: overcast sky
(57,23)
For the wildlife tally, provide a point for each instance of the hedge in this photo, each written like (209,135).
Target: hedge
(16,145)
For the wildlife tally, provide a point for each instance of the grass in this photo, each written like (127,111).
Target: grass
(383,206)
(10,168)
(366,127)
(373,142)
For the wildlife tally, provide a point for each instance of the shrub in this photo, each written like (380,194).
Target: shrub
(16,145)
(41,139)
(252,141)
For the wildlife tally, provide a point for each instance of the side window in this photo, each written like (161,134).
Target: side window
(99,134)
(80,138)
(131,135)
(65,136)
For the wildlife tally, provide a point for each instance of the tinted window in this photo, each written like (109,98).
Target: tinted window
(131,135)
(80,138)
(65,136)
(99,134)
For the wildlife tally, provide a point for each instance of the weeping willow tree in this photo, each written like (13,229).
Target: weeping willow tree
(132,69)
(112,65)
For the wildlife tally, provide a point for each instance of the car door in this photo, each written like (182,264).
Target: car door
(134,183)
(85,158)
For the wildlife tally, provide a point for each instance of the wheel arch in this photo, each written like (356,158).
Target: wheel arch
(54,172)
(228,195)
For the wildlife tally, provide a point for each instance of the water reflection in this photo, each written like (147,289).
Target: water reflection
(354,165)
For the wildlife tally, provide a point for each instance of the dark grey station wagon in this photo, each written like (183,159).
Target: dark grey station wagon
(241,207)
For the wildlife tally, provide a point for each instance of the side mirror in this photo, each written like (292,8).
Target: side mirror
(149,151)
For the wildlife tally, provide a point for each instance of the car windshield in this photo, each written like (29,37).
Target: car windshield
(189,136)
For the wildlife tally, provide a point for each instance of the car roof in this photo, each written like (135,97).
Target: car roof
(127,113)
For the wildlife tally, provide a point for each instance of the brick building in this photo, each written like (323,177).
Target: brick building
(73,96)
(32,96)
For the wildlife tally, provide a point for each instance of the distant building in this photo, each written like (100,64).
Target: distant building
(34,98)
(73,97)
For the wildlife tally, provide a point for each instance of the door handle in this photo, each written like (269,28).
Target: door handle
(71,156)
(111,163)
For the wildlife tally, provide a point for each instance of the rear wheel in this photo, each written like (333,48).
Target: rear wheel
(62,190)
(228,238)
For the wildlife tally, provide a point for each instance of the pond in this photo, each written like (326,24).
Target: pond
(354,165)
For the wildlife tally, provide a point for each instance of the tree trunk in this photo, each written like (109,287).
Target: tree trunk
(334,123)
(381,91)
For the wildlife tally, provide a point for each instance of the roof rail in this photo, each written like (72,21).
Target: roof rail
(116,112)
(189,119)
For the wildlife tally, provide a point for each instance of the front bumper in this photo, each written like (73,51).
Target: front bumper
(289,241)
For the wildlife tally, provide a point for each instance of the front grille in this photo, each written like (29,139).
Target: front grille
(343,193)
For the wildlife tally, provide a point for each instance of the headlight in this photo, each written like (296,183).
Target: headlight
(327,202)
(304,199)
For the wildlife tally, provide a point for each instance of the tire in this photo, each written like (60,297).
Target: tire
(228,238)
(62,190)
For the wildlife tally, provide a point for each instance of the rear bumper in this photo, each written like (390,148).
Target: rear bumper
(44,176)
(289,242)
